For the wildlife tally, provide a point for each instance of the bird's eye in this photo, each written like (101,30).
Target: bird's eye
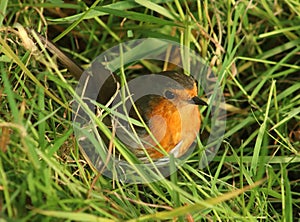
(169,94)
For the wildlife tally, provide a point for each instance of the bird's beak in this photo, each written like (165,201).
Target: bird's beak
(197,101)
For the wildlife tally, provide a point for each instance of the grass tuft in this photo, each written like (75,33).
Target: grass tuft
(251,46)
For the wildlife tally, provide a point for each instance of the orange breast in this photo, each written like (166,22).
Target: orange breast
(169,126)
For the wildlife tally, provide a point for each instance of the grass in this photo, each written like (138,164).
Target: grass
(252,47)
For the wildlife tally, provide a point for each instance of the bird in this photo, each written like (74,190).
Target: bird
(171,114)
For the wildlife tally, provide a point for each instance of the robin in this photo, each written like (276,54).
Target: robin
(171,115)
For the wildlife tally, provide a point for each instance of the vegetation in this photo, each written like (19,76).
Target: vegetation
(253,47)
